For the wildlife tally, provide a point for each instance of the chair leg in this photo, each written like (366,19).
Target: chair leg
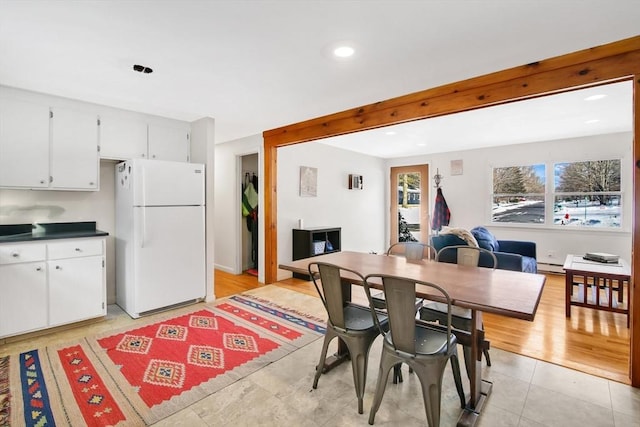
(329,335)
(486,356)
(455,367)
(359,351)
(431,382)
(386,363)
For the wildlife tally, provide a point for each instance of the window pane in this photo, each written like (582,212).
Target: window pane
(587,177)
(519,209)
(519,180)
(409,207)
(595,210)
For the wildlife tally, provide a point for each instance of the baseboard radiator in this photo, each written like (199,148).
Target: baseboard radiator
(550,268)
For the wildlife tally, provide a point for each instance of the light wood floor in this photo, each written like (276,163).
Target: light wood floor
(591,341)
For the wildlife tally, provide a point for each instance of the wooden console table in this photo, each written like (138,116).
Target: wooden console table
(607,283)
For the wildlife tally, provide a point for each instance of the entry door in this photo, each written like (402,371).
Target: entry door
(409,204)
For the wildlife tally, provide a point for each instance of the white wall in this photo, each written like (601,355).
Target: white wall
(203,151)
(468,195)
(227,199)
(360,213)
(29,206)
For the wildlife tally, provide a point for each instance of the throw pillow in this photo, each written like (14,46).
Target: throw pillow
(486,239)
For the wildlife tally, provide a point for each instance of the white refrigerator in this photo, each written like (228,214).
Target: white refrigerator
(160,234)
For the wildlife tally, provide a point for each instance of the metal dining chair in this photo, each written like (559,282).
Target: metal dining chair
(412,251)
(432,311)
(425,347)
(351,323)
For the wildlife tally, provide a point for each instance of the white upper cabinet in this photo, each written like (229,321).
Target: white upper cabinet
(169,142)
(24,144)
(74,150)
(45,147)
(122,138)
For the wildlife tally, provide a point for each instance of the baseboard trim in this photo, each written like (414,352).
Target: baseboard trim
(550,268)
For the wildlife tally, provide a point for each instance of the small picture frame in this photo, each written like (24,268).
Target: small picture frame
(308,181)
(456,167)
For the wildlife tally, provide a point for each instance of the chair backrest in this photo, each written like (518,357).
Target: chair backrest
(412,251)
(400,296)
(328,280)
(467,255)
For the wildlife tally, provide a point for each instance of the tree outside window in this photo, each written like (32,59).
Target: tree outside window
(519,194)
(587,194)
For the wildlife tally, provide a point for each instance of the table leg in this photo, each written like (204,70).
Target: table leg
(568,277)
(480,389)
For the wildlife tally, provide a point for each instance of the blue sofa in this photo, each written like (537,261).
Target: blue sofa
(514,255)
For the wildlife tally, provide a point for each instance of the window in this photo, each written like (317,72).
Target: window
(519,194)
(587,194)
(584,194)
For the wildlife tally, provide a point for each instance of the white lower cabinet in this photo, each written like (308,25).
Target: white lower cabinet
(23,300)
(66,286)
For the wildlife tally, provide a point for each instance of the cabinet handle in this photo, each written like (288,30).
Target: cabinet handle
(58,267)
(78,250)
(15,254)
(38,268)
(154,156)
(91,184)
(42,181)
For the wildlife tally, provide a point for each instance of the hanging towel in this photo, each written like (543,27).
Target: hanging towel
(441,213)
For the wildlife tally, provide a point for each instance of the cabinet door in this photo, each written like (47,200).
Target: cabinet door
(76,289)
(24,144)
(23,301)
(122,139)
(169,142)
(74,150)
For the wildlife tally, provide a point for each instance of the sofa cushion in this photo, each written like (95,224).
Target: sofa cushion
(485,239)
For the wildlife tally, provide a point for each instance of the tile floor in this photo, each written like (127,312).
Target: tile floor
(526,392)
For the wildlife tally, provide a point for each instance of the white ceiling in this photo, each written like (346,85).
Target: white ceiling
(256,65)
(553,117)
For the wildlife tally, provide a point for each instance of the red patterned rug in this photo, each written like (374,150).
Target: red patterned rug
(141,375)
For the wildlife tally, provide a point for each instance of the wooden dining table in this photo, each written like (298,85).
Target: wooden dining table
(504,292)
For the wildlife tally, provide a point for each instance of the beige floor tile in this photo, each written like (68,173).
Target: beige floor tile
(572,383)
(508,393)
(625,420)
(184,418)
(493,416)
(509,364)
(625,399)
(554,409)
(525,422)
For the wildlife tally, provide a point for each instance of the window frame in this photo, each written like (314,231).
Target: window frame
(550,194)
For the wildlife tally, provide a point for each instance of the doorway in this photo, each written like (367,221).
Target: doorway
(249,211)
(409,204)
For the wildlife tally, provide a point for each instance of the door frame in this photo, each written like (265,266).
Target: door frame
(612,62)
(423,169)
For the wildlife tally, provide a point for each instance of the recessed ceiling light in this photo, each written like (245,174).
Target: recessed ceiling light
(421,144)
(592,121)
(390,132)
(344,51)
(595,97)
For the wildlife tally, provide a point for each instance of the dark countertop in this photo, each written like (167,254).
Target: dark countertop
(48,231)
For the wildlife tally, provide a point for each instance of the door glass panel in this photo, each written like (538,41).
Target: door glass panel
(409,204)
